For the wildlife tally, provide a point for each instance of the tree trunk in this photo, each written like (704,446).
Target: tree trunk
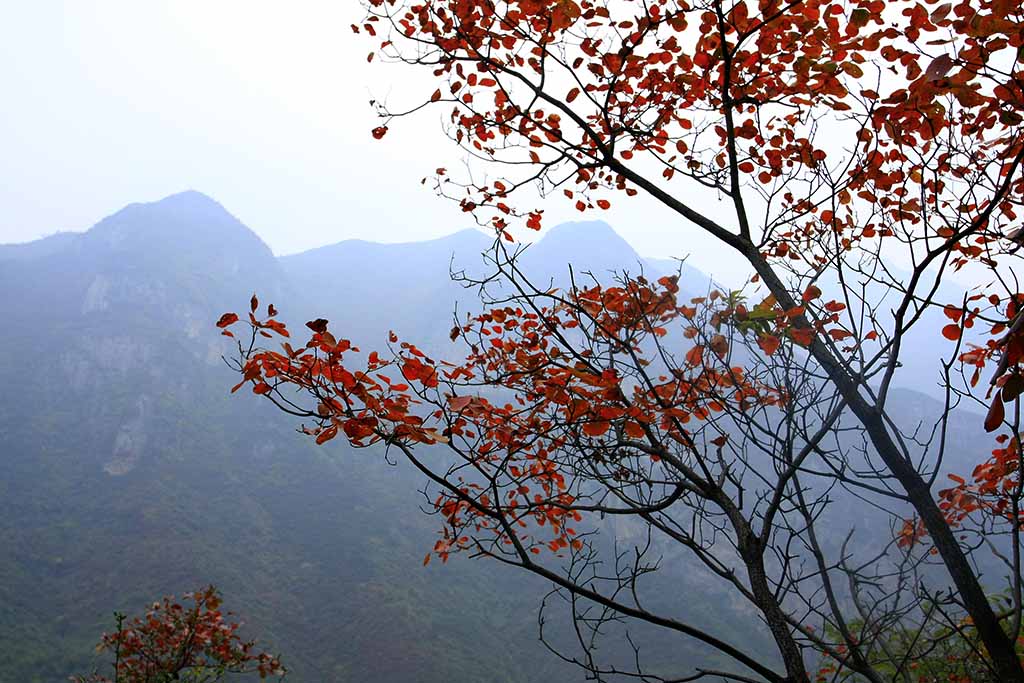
(1000,648)
(753,557)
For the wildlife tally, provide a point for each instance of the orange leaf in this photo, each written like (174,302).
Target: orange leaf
(458,403)
(634,430)
(996,414)
(953,313)
(695,355)
(811,293)
(720,345)
(327,434)
(802,335)
(769,343)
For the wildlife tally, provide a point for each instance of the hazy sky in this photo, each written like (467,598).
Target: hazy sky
(262,105)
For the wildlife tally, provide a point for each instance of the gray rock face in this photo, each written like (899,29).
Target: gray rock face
(130,442)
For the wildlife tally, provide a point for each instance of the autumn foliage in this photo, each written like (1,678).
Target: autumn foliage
(867,158)
(191,639)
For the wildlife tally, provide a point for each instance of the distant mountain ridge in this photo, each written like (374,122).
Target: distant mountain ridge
(43,246)
(367,284)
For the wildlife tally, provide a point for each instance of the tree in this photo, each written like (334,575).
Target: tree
(868,152)
(181,642)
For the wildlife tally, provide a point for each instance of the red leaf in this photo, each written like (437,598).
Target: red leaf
(634,430)
(720,345)
(811,293)
(951,332)
(319,325)
(360,427)
(412,369)
(379,132)
(996,414)
(695,355)
(1013,386)
(802,335)
(939,67)
(328,339)
(227,319)
(839,334)
(458,403)
(327,434)
(769,343)
(596,428)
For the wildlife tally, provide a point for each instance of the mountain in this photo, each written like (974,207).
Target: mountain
(41,247)
(366,288)
(129,472)
(584,246)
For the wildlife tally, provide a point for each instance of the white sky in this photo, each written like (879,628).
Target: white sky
(262,105)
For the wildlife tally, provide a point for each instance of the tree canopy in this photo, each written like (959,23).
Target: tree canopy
(867,155)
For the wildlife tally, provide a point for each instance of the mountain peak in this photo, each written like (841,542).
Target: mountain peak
(174,244)
(188,206)
(582,228)
(190,198)
(592,245)
(468,235)
(585,236)
(190,220)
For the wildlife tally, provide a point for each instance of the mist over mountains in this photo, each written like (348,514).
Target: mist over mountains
(129,472)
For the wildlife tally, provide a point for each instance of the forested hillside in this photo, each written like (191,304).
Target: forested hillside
(129,473)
